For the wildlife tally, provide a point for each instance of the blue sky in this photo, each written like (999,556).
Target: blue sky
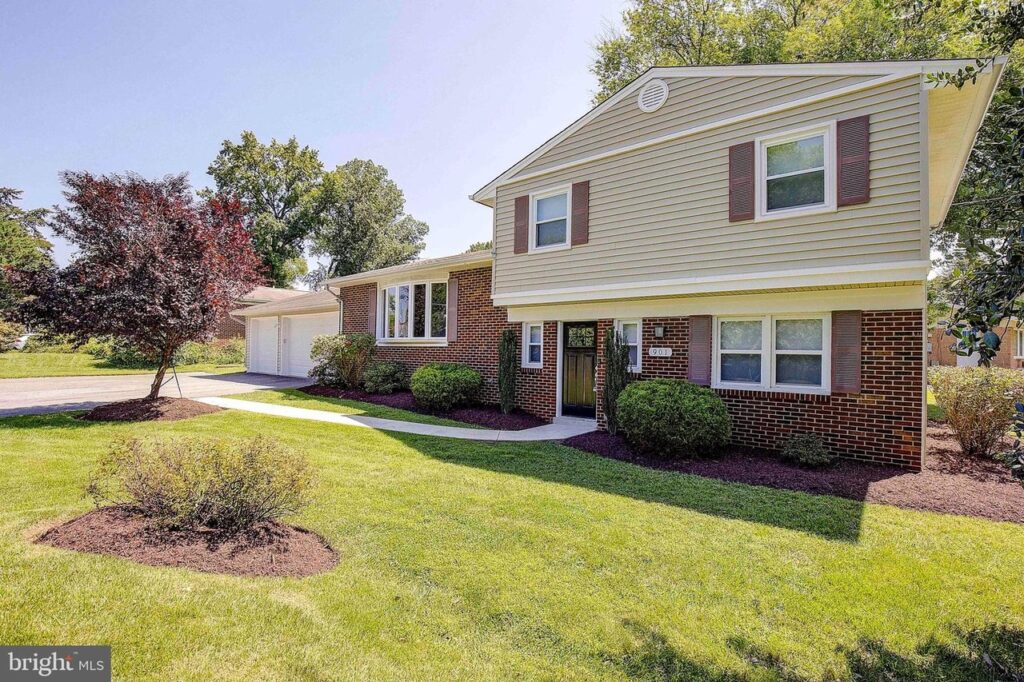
(445,94)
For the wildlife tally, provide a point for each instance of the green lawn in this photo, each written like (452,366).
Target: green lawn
(14,365)
(463,560)
(295,398)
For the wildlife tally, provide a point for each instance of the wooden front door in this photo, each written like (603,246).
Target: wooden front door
(579,369)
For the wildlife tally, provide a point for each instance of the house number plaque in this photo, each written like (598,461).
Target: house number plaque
(660,352)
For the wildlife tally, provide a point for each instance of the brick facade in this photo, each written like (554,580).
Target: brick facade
(883,423)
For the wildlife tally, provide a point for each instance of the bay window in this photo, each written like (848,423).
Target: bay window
(413,311)
(773,352)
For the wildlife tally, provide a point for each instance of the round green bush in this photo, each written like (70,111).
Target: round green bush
(806,449)
(384,377)
(444,385)
(673,418)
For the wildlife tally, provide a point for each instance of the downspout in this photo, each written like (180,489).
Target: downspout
(337,297)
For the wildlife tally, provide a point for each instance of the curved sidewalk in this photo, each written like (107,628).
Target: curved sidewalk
(565,427)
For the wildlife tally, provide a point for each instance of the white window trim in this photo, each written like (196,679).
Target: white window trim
(768,354)
(543,194)
(428,340)
(762,213)
(634,369)
(525,351)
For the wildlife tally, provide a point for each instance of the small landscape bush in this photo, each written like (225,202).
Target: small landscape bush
(340,359)
(979,404)
(806,449)
(444,385)
(10,332)
(384,377)
(673,418)
(197,482)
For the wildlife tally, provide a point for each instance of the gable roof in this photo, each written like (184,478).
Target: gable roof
(884,70)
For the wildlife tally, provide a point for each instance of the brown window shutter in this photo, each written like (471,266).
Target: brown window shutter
(453,309)
(699,370)
(580,212)
(371,314)
(846,351)
(853,182)
(522,225)
(741,182)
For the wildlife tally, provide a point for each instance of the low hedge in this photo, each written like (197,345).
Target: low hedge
(384,377)
(673,418)
(444,385)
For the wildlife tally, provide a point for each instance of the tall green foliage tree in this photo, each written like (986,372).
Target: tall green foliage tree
(361,223)
(275,183)
(616,376)
(508,369)
(22,246)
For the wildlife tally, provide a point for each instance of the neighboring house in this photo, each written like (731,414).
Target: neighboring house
(1010,355)
(762,230)
(232,328)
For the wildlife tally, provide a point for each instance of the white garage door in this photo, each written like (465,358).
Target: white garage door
(297,340)
(262,339)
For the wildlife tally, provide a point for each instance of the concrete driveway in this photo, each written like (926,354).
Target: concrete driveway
(56,394)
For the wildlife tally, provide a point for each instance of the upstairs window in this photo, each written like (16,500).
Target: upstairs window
(413,311)
(550,220)
(795,173)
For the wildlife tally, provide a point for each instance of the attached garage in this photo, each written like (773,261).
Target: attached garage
(279,335)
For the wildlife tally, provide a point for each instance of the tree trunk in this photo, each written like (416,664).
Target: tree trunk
(165,362)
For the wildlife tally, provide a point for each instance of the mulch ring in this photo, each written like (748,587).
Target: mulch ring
(949,483)
(270,549)
(149,410)
(489,416)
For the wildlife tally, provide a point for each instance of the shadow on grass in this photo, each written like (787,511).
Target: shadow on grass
(832,518)
(992,653)
(49,420)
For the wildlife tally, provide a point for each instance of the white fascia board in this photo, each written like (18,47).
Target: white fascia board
(902,271)
(444,263)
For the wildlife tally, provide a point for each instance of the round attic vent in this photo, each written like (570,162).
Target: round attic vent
(652,95)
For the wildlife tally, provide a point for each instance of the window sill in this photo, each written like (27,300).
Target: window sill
(532,366)
(793,213)
(775,390)
(413,342)
(546,249)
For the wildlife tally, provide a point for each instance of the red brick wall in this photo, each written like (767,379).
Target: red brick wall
(883,423)
(479,329)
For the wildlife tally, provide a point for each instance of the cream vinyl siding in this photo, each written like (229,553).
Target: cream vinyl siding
(661,212)
(691,102)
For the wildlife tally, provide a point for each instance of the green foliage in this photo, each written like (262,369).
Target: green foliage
(229,485)
(361,221)
(275,183)
(480,246)
(979,403)
(806,449)
(384,376)
(341,359)
(616,376)
(10,332)
(442,386)
(216,352)
(46,342)
(23,249)
(508,370)
(673,418)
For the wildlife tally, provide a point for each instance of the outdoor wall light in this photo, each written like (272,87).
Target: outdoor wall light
(659,331)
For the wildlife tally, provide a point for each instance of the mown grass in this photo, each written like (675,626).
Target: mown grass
(16,365)
(295,398)
(463,560)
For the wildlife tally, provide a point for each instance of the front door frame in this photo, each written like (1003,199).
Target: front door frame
(560,364)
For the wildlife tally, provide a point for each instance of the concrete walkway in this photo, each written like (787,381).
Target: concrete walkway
(564,427)
(57,394)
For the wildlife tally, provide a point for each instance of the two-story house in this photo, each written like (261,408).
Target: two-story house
(762,230)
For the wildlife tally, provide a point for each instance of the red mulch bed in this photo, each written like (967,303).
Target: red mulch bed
(270,549)
(146,410)
(489,416)
(949,482)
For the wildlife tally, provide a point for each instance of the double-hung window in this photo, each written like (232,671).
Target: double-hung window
(795,173)
(773,352)
(629,332)
(549,220)
(533,344)
(413,311)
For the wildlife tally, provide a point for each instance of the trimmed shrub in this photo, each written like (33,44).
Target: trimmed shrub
(508,370)
(10,332)
(195,482)
(340,359)
(444,385)
(979,404)
(616,376)
(673,418)
(806,449)
(384,376)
